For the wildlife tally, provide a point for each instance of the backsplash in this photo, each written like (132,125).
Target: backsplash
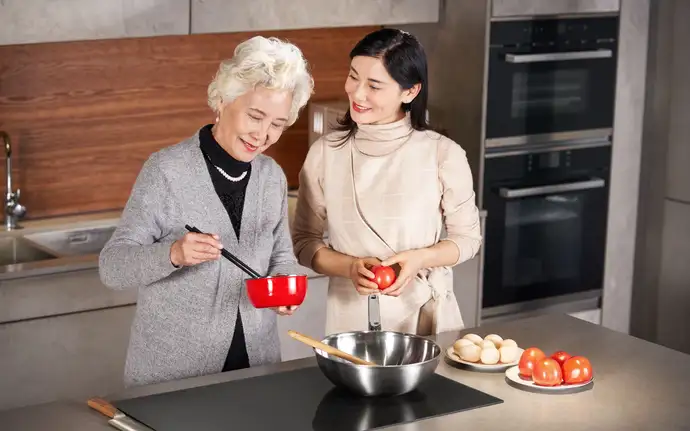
(84,116)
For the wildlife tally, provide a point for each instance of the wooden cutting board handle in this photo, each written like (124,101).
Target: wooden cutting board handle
(328,349)
(102,406)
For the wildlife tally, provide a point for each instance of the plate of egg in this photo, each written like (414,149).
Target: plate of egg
(491,353)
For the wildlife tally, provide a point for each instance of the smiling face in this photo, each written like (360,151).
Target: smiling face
(253,122)
(375,97)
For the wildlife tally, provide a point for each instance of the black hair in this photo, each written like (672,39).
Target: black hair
(404,58)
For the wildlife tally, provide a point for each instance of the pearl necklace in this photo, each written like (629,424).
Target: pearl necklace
(230,177)
(222,172)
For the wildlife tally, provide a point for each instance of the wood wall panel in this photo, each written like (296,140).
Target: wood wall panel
(84,116)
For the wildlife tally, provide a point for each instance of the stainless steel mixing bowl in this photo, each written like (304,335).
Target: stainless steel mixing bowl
(403,361)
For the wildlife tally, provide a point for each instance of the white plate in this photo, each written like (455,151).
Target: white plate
(514,379)
(478,366)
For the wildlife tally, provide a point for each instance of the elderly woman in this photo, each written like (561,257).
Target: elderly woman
(193,316)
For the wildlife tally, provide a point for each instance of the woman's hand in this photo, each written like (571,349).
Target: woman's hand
(282,310)
(285,311)
(194,248)
(362,277)
(410,263)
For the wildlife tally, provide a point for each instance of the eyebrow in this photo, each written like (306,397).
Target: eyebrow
(370,79)
(264,114)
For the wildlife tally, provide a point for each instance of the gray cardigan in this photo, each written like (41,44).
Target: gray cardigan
(185,317)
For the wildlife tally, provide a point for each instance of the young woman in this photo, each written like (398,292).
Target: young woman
(385,185)
(193,316)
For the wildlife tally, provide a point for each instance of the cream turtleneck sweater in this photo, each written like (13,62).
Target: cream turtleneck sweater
(388,189)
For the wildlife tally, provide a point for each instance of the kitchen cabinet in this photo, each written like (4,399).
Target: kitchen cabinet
(58,294)
(467,283)
(678,174)
(467,288)
(63,335)
(216,16)
(35,21)
(72,356)
(506,8)
(673,321)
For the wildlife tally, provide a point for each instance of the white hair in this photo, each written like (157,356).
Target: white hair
(267,62)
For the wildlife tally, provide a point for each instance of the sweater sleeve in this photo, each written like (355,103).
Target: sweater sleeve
(283,259)
(310,211)
(458,200)
(136,254)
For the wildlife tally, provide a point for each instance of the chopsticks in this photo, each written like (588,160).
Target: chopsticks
(229,256)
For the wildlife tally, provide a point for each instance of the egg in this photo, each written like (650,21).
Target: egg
(470,353)
(490,356)
(496,339)
(476,339)
(457,346)
(487,344)
(508,354)
(508,342)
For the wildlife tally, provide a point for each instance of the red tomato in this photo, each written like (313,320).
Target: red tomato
(577,369)
(547,372)
(384,276)
(528,359)
(561,357)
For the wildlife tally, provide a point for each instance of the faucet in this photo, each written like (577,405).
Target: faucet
(13,209)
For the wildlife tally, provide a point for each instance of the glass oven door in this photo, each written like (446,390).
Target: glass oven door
(544,240)
(549,83)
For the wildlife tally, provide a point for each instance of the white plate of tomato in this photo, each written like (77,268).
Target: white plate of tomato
(559,373)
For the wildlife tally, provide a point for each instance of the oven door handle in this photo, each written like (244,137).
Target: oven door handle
(593,183)
(559,56)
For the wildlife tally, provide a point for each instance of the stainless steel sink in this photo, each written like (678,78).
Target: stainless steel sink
(14,250)
(73,242)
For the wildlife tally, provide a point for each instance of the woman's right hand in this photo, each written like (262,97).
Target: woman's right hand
(362,277)
(194,248)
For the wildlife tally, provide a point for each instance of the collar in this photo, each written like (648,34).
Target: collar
(217,155)
(381,139)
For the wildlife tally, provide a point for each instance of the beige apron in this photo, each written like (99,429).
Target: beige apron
(427,305)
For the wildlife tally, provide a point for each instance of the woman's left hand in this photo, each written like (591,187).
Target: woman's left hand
(410,262)
(285,311)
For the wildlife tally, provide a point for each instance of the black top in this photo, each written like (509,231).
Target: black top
(231,194)
(302,399)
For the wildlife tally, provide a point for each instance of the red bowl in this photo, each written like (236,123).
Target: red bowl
(277,291)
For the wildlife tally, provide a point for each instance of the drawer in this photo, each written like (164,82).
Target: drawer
(56,294)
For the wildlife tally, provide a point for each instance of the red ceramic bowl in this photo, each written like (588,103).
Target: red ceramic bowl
(277,291)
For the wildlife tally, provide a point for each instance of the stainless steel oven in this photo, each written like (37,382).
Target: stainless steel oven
(546,228)
(550,80)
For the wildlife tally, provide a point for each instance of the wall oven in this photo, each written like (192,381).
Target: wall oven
(550,80)
(546,228)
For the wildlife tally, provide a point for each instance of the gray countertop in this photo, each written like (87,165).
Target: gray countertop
(638,385)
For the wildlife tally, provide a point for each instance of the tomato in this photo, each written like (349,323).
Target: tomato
(547,372)
(528,359)
(384,276)
(577,369)
(561,357)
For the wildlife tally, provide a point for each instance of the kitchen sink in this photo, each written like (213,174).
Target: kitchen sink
(17,250)
(73,242)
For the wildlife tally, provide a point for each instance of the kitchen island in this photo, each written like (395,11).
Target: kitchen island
(638,386)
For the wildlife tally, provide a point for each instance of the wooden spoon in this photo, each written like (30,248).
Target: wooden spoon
(328,349)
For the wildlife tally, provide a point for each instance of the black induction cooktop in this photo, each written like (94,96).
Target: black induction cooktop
(297,400)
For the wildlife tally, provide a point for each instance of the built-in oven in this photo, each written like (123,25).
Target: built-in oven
(546,228)
(550,80)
